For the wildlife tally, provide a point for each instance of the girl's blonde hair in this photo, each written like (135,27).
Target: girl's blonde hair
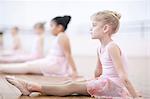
(108,17)
(39,25)
(15,28)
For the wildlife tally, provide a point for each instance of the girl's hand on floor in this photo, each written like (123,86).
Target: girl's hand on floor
(74,75)
(139,94)
(138,98)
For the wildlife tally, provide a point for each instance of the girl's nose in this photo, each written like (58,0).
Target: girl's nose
(90,30)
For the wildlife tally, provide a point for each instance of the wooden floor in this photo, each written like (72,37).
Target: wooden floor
(7,91)
(138,71)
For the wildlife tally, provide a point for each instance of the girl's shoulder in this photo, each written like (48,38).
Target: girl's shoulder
(110,45)
(113,47)
(62,36)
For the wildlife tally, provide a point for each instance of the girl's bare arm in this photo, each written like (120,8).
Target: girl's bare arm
(65,44)
(98,70)
(115,54)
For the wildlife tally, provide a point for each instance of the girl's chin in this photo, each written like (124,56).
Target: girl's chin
(94,37)
(53,34)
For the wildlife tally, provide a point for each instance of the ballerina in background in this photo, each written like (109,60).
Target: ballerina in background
(59,62)
(16,45)
(37,47)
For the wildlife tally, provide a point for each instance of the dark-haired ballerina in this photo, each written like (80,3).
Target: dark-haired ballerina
(58,62)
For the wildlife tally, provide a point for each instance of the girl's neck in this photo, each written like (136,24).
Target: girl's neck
(40,34)
(104,41)
(15,35)
(59,33)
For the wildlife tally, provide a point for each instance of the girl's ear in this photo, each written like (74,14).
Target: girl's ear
(106,28)
(60,27)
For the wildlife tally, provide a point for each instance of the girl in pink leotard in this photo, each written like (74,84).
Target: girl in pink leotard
(37,47)
(111,80)
(16,42)
(16,46)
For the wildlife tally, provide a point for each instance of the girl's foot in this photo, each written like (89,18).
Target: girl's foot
(20,84)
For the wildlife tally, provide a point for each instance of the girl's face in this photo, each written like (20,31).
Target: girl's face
(97,30)
(38,30)
(55,28)
(14,31)
(100,30)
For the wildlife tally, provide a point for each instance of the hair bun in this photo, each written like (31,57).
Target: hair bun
(62,20)
(40,25)
(67,18)
(118,15)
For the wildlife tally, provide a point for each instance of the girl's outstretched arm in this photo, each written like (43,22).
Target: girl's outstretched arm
(115,54)
(98,70)
(65,44)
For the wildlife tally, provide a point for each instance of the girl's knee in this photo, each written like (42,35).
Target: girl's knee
(72,86)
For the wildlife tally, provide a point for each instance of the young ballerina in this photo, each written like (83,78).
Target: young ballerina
(16,42)
(111,78)
(16,46)
(37,49)
(59,62)
(16,39)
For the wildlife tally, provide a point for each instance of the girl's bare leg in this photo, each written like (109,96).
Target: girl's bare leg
(65,89)
(11,59)
(22,68)
(57,90)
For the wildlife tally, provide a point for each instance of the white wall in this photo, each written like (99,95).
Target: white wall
(26,13)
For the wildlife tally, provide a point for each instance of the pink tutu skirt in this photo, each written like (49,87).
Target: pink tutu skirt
(104,87)
(55,66)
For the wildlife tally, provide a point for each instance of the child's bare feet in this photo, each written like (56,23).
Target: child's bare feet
(20,84)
